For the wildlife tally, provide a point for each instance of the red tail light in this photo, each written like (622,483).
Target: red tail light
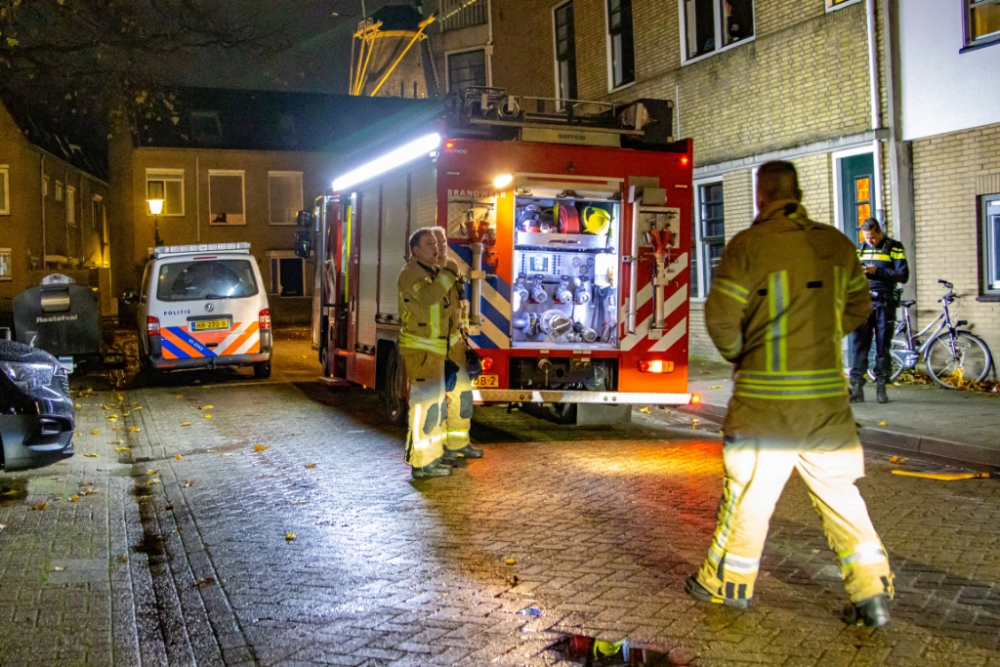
(487,364)
(656,366)
(695,399)
(265,319)
(152,326)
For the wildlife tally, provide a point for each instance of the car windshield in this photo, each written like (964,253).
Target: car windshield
(199,280)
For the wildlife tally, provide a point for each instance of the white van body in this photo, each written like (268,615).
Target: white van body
(204,306)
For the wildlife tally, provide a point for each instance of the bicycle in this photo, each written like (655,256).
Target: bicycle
(951,356)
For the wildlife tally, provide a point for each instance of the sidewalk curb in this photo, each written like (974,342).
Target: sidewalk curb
(894,442)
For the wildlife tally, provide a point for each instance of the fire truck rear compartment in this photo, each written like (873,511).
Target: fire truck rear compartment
(564,373)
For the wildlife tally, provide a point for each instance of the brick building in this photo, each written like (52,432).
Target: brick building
(53,204)
(231,165)
(751,81)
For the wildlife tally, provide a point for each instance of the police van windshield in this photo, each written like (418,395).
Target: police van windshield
(206,279)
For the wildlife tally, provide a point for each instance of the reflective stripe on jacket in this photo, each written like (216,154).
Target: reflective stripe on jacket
(785,293)
(889,259)
(430,309)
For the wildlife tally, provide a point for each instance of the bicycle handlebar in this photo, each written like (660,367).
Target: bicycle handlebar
(946,284)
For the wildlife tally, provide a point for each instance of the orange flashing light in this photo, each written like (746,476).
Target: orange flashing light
(656,366)
(695,399)
(448,145)
(684,160)
(487,364)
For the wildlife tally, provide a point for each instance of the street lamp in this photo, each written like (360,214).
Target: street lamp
(155,209)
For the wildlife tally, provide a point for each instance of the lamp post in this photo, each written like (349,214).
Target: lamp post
(155,209)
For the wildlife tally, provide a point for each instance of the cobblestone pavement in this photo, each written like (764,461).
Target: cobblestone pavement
(184,555)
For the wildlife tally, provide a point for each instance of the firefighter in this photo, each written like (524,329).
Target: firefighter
(784,294)
(885,265)
(433,353)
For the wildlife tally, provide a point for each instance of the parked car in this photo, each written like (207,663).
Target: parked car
(204,306)
(36,412)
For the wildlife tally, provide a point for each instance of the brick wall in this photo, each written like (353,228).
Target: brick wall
(945,171)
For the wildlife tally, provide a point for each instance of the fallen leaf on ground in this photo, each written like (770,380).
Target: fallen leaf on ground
(881,423)
(259,448)
(78,406)
(123,449)
(716,386)
(116,428)
(150,482)
(179,396)
(112,418)
(126,414)
(898,459)
(704,372)
(310,465)
(207,415)
(205,407)
(58,568)
(178,457)
(226,454)
(77,435)
(123,559)
(189,483)
(134,429)
(96,431)
(91,456)
(137,407)
(290,536)
(40,506)
(106,407)
(90,492)
(119,441)
(185,423)
(644,410)
(150,472)
(75,498)
(207,581)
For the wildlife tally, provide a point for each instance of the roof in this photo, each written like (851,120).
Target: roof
(255,120)
(72,137)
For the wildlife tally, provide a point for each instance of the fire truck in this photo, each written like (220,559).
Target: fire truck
(571,223)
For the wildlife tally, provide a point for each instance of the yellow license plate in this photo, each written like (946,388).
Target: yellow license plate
(488,381)
(211,325)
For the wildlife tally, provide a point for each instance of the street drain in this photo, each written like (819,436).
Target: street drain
(593,652)
(13,491)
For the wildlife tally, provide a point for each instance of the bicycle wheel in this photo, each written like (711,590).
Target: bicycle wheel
(968,360)
(896,351)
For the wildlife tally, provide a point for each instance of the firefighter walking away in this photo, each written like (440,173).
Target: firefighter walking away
(884,262)
(785,293)
(433,351)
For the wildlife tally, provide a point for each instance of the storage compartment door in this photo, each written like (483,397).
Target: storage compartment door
(368,266)
(423,197)
(393,247)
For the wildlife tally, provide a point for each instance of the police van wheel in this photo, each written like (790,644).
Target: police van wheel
(262,370)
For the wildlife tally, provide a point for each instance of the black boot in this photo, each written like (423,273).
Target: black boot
(857,391)
(873,612)
(880,394)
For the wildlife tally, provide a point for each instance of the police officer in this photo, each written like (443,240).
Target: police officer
(785,293)
(433,352)
(885,265)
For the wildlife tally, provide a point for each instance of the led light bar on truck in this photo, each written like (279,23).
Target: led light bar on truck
(398,157)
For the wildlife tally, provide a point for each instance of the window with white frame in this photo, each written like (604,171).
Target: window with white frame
(6,270)
(59,190)
(713,25)
(226,198)
(837,4)
(70,205)
(287,273)
(991,244)
(565,51)
(168,185)
(4,189)
(621,46)
(982,22)
(709,237)
(284,191)
(465,69)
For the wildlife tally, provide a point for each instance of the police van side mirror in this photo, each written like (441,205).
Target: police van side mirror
(303,244)
(304,219)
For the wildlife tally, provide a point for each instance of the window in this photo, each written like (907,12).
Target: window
(982,21)
(6,270)
(287,274)
(202,280)
(59,190)
(837,4)
(226,199)
(712,25)
(205,127)
(284,189)
(709,238)
(70,205)
(168,185)
(991,244)
(622,48)
(466,69)
(4,189)
(565,52)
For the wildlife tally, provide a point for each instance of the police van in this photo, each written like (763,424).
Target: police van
(204,306)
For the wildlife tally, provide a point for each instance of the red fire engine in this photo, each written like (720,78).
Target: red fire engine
(573,230)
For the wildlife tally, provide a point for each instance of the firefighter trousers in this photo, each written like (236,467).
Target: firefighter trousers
(880,325)
(755,477)
(438,418)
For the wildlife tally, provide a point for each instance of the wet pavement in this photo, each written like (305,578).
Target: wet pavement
(284,529)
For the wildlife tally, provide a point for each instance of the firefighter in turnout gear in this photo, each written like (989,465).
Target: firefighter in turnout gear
(885,265)
(433,352)
(784,295)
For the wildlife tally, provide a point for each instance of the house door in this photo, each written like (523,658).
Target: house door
(857,192)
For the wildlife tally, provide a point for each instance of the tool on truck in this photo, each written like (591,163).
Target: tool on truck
(571,223)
